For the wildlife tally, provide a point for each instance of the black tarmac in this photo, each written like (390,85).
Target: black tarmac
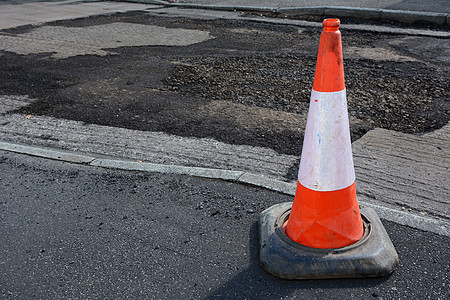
(78,232)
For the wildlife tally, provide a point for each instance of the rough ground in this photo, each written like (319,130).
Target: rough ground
(246,83)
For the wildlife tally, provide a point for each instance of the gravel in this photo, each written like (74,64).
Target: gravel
(381,95)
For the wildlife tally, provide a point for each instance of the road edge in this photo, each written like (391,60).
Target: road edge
(403,16)
(400,217)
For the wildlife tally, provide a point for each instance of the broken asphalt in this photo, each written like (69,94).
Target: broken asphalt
(103,225)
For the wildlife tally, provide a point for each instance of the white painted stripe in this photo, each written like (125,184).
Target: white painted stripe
(326,162)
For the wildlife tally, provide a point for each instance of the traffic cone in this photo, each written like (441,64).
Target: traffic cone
(325,213)
(323,233)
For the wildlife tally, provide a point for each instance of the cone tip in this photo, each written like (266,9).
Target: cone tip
(331,24)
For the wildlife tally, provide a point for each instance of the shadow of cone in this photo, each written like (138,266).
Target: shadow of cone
(323,234)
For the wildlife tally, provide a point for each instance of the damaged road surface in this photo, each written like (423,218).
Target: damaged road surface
(237,82)
(206,92)
(230,94)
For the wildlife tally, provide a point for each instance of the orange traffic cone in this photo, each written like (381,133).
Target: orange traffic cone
(325,213)
(323,233)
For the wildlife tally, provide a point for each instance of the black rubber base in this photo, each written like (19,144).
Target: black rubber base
(372,256)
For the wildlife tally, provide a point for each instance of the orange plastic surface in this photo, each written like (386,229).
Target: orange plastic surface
(329,76)
(325,219)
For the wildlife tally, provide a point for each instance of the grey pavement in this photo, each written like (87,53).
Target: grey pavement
(440,6)
(399,11)
(86,229)
(23,12)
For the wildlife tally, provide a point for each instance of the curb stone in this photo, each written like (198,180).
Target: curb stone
(393,215)
(168,169)
(363,13)
(223,7)
(301,11)
(410,17)
(47,153)
(336,11)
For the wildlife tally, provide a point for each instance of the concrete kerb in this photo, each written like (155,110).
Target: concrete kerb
(301,11)
(156,2)
(324,11)
(367,13)
(270,184)
(223,7)
(361,13)
(407,219)
(413,16)
(47,153)
(168,169)
(335,11)
(396,216)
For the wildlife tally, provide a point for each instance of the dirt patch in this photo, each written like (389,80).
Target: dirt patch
(377,54)
(263,117)
(380,95)
(249,85)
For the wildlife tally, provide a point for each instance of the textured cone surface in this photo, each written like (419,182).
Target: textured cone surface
(325,212)
(329,76)
(325,219)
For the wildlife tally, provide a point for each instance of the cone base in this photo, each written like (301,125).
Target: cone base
(373,255)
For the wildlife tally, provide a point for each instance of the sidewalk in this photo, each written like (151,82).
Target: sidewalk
(439,6)
(435,12)
(23,12)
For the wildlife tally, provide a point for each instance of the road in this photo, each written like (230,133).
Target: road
(226,92)
(212,89)
(70,231)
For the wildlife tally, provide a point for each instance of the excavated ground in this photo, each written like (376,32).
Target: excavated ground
(249,83)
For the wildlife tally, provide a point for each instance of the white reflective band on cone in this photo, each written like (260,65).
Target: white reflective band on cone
(326,162)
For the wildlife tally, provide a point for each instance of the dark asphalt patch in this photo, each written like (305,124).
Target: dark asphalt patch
(258,70)
(72,231)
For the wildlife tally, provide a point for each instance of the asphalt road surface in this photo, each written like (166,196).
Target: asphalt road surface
(226,90)
(70,231)
(203,89)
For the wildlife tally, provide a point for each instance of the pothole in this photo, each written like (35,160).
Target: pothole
(65,42)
